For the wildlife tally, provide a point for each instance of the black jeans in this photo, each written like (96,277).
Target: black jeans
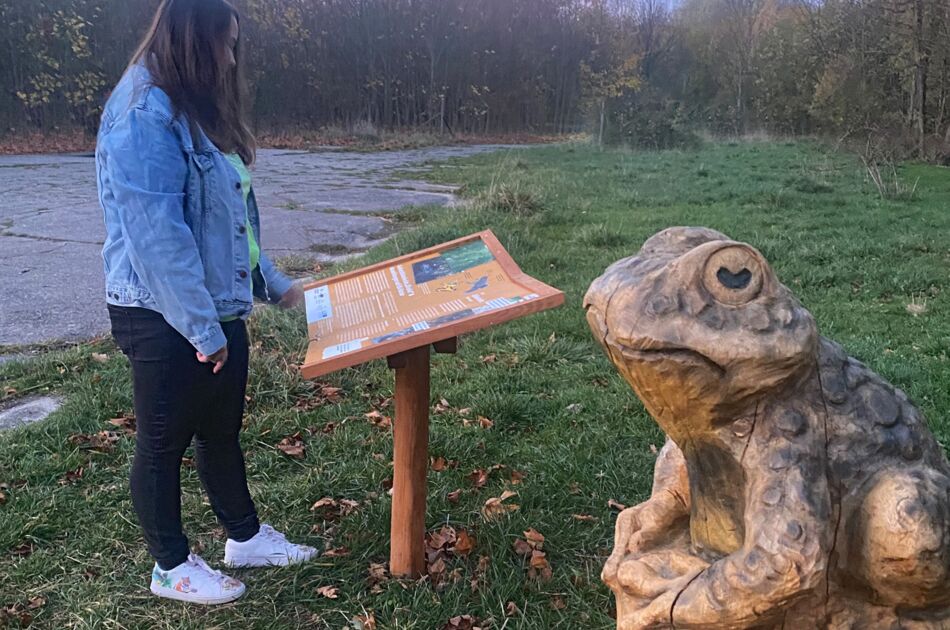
(177,399)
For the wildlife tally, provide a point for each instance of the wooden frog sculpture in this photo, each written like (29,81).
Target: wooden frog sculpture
(797,489)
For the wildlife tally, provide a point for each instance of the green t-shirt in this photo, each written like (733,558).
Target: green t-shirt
(253,248)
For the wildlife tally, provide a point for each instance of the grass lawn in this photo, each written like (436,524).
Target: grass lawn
(567,433)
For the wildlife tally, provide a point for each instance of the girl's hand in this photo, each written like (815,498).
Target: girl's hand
(292,298)
(219,358)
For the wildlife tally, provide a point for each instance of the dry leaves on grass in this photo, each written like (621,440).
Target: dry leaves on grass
(330,592)
(23,614)
(480,421)
(72,476)
(363,622)
(462,622)
(378,575)
(452,497)
(478,477)
(292,446)
(496,507)
(324,395)
(378,420)
(336,552)
(330,509)
(125,422)
(587,518)
(531,548)
(616,505)
(442,545)
(103,441)
(439,464)
(24,549)
(558,603)
(489,358)
(99,357)
(511,609)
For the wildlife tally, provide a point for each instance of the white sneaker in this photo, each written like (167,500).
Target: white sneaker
(269,548)
(194,581)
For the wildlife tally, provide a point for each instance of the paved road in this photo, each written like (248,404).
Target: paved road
(320,205)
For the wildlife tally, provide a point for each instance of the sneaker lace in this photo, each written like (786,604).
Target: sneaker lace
(199,563)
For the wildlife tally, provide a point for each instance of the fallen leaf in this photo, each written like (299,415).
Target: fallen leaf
(453,497)
(442,406)
(485,423)
(615,505)
(489,358)
(464,543)
(330,592)
(322,503)
(23,549)
(511,609)
(103,441)
(465,411)
(558,603)
(538,566)
(99,357)
(439,464)
(516,477)
(462,622)
(72,476)
(653,449)
(436,568)
(36,602)
(584,517)
(478,477)
(378,420)
(534,538)
(378,575)
(126,422)
(496,507)
(521,547)
(331,394)
(336,552)
(364,622)
(292,446)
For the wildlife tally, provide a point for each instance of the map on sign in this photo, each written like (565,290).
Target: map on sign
(415,300)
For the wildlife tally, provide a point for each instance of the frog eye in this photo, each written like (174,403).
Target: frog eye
(733,275)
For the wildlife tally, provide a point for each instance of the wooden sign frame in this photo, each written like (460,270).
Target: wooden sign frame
(408,354)
(547,298)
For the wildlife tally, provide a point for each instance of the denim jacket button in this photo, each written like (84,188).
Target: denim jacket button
(243,274)
(242,229)
(237,185)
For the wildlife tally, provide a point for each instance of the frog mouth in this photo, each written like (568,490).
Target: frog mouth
(650,352)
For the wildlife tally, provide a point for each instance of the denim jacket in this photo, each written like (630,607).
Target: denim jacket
(175,218)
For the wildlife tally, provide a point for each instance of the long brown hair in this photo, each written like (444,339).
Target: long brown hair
(186,53)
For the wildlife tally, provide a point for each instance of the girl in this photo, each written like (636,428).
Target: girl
(182,262)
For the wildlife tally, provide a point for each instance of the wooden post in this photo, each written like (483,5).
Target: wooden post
(410,463)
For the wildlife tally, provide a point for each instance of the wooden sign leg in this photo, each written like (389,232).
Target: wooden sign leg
(410,463)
